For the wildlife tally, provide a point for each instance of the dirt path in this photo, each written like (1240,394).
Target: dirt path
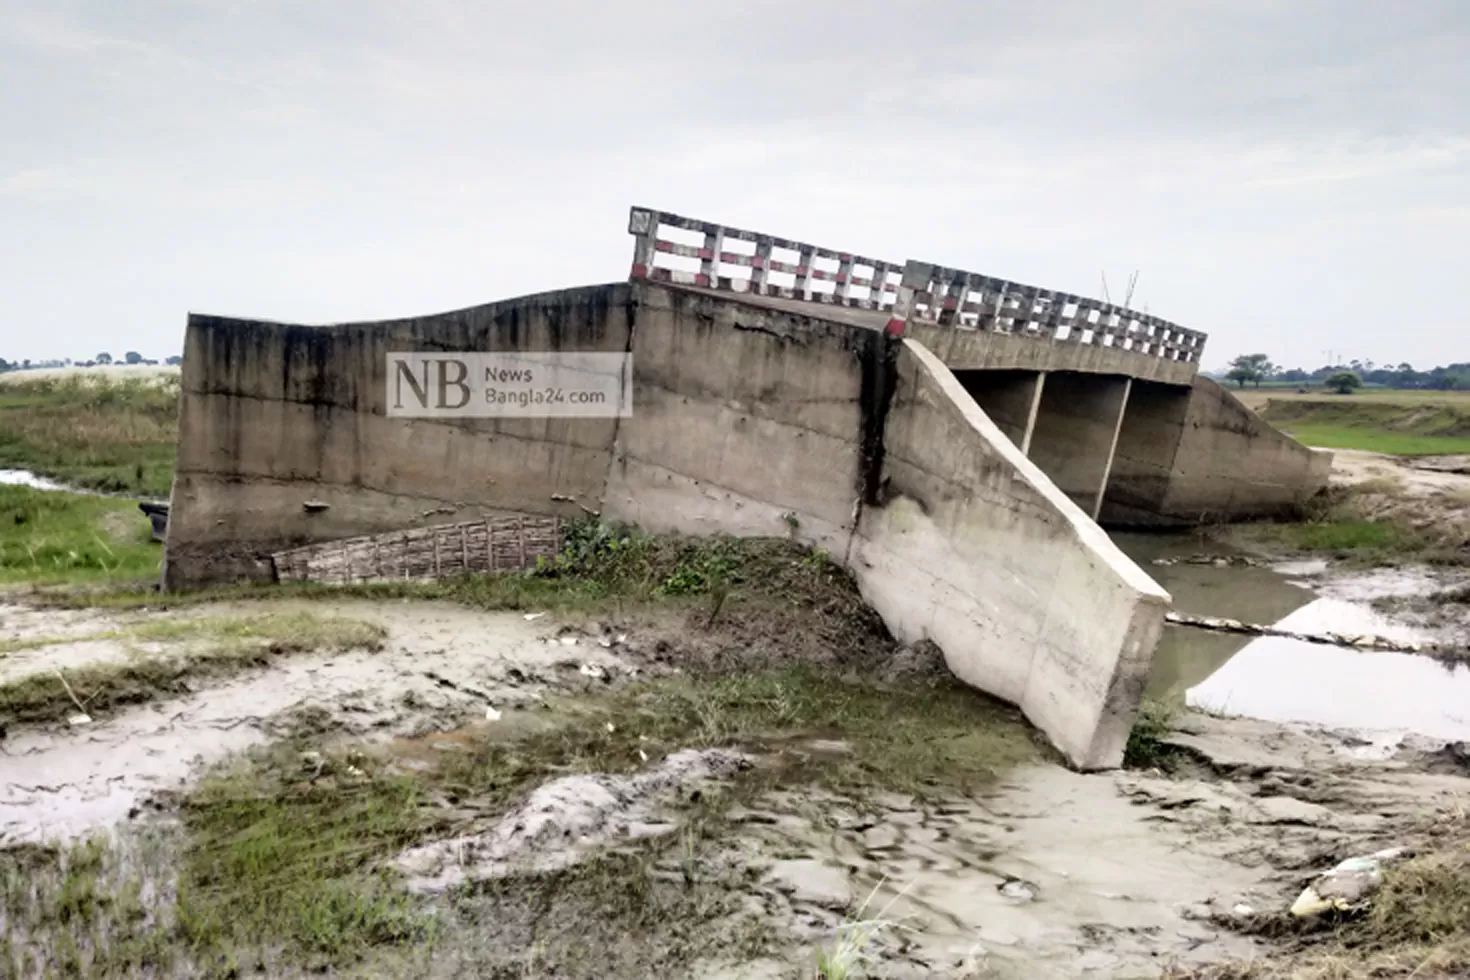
(1047,873)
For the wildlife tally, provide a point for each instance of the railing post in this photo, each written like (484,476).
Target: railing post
(844,276)
(643,226)
(709,257)
(760,266)
(804,261)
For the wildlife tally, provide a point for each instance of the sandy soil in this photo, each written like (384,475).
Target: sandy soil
(1051,873)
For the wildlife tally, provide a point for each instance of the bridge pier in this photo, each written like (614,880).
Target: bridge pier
(1075,433)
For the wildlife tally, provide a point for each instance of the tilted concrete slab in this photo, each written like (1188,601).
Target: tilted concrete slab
(975,548)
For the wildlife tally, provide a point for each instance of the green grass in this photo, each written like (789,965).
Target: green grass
(96,433)
(210,647)
(53,537)
(1395,423)
(1375,440)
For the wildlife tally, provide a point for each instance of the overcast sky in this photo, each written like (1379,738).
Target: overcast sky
(1290,177)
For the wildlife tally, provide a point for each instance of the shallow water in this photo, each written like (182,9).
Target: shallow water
(25,478)
(1282,680)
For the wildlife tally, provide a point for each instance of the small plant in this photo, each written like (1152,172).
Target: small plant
(792,521)
(852,952)
(1145,748)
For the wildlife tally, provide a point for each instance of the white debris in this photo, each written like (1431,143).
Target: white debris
(569,641)
(491,714)
(1346,887)
(532,617)
(561,821)
(79,719)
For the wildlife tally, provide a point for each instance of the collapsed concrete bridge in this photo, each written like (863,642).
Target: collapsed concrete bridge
(951,438)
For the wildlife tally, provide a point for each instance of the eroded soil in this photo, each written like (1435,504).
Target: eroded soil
(730,856)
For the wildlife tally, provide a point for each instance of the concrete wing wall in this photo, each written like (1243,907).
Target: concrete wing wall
(273,416)
(977,550)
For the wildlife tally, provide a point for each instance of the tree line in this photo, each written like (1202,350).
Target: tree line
(1256,368)
(103,358)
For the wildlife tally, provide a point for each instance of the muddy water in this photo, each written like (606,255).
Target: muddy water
(1383,695)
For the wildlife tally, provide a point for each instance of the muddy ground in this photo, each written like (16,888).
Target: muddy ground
(709,788)
(1040,872)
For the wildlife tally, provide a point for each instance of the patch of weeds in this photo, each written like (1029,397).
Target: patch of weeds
(97,908)
(1145,748)
(49,537)
(280,855)
(214,646)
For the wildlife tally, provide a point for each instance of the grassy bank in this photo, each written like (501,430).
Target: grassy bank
(92,432)
(48,537)
(1395,423)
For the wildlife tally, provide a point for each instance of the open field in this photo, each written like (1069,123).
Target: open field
(109,435)
(1400,423)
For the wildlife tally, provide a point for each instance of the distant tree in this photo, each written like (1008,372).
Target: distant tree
(133,357)
(173,359)
(1250,367)
(5,365)
(104,358)
(1343,382)
(26,364)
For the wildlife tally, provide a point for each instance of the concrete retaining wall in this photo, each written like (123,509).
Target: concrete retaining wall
(976,549)
(273,416)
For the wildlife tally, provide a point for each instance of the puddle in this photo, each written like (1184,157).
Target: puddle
(1282,680)
(25,478)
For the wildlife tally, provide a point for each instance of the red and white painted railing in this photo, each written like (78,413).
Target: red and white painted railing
(967,300)
(720,257)
(771,266)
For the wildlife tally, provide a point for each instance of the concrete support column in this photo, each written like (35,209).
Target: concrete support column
(1037,389)
(1102,488)
(1075,433)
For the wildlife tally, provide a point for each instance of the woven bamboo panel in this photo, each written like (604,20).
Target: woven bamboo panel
(504,544)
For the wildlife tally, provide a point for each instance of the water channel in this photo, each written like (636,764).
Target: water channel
(1381,695)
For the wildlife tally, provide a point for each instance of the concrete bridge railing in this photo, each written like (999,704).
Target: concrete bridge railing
(763,265)
(924,293)
(970,300)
